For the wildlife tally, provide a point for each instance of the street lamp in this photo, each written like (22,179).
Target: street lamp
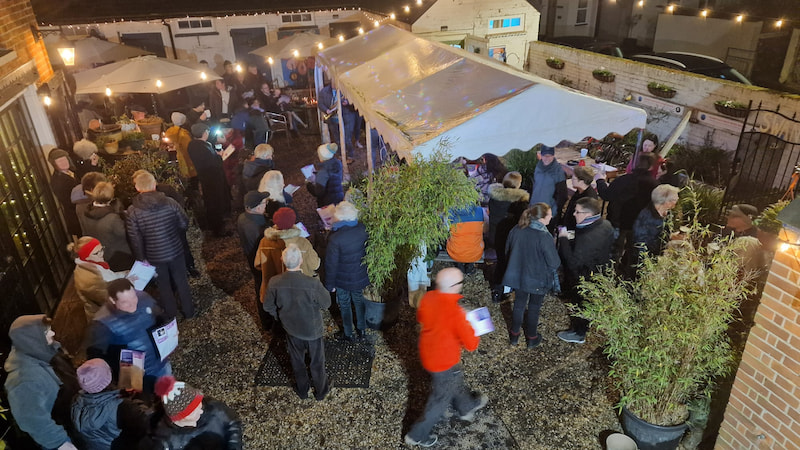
(66,50)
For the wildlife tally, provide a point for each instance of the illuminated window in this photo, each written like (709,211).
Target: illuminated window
(505,23)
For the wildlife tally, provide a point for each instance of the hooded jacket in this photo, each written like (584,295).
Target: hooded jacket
(32,385)
(253,171)
(268,255)
(95,418)
(155,226)
(549,186)
(90,284)
(218,428)
(500,198)
(106,224)
(327,185)
(465,244)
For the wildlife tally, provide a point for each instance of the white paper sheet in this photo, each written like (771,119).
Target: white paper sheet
(481,321)
(143,273)
(166,339)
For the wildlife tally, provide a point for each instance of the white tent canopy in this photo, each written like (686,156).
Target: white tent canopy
(416,92)
(144,74)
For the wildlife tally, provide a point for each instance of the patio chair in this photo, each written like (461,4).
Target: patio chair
(277,123)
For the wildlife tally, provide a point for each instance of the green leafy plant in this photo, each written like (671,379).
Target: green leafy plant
(523,162)
(554,60)
(768,219)
(665,332)
(603,73)
(698,201)
(133,136)
(730,104)
(706,163)
(405,207)
(660,87)
(121,173)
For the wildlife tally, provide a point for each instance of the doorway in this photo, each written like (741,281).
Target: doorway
(245,40)
(151,42)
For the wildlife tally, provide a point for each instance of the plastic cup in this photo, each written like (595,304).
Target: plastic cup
(584,152)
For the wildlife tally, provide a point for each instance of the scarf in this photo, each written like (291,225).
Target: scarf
(86,251)
(588,221)
(539,226)
(344,223)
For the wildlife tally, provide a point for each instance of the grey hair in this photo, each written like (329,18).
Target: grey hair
(263,151)
(345,212)
(272,184)
(664,193)
(292,256)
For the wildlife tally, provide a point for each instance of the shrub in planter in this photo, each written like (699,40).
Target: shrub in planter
(121,173)
(554,62)
(731,108)
(403,207)
(603,75)
(665,332)
(523,162)
(708,164)
(699,200)
(661,90)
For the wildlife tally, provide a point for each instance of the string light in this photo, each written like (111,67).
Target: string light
(641,3)
(419,2)
(270,60)
(778,23)
(407,9)
(158,83)
(704,13)
(203,75)
(671,8)
(360,30)
(108,92)
(296,53)
(740,18)
(319,46)
(392,16)
(377,24)
(47,100)
(341,38)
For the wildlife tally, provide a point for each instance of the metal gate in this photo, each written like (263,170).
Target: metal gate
(766,157)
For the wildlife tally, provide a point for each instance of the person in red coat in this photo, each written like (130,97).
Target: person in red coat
(445,331)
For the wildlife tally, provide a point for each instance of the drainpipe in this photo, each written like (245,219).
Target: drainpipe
(171,38)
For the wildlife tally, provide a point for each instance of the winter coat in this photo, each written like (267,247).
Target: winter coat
(253,171)
(250,228)
(62,185)
(180,137)
(155,225)
(465,244)
(648,233)
(568,218)
(268,256)
(104,417)
(106,224)
(588,252)
(219,428)
(344,258)
(444,331)
(532,260)
(297,300)
(500,198)
(327,184)
(32,385)
(549,186)
(210,172)
(627,196)
(90,284)
(113,330)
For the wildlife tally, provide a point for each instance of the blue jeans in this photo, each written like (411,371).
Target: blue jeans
(447,388)
(533,302)
(344,298)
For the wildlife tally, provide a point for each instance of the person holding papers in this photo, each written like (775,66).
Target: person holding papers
(91,274)
(326,184)
(208,163)
(445,331)
(124,323)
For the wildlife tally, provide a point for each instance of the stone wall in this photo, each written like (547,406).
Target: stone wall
(764,405)
(694,92)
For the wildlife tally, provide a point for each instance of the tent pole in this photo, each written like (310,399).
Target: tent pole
(317,86)
(341,135)
(370,162)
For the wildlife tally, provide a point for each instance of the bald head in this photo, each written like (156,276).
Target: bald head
(449,280)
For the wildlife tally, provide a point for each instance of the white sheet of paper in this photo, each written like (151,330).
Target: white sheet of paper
(326,214)
(308,171)
(481,321)
(291,189)
(166,339)
(143,272)
(228,152)
(303,230)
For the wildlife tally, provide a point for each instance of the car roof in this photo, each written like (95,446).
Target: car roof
(681,60)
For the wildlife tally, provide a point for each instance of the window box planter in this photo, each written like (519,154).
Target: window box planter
(603,75)
(731,108)
(661,90)
(554,63)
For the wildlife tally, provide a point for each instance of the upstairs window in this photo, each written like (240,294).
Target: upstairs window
(506,24)
(194,24)
(292,18)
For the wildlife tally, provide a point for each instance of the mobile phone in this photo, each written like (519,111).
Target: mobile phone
(218,147)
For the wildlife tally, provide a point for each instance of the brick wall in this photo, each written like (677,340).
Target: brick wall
(764,406)
(693,91)
(16,19)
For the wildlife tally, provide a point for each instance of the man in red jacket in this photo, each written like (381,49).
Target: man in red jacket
(445,331)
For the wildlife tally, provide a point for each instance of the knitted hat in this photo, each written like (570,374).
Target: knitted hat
(55,154)
(254,198)
(547,150)
(179,399)
(284,218)
(178,119)
(748,213)
(94,375)
(198,129)
(326,151)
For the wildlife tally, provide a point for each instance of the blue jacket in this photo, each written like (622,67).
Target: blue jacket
(327,185)
(32,385)
(95,418)
(344,265)
(532,261)
(113,330)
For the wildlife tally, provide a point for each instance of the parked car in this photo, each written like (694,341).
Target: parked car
(695,63)
(588,43)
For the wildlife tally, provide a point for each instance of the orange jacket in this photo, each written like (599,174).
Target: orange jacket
(445,331)
(466,242)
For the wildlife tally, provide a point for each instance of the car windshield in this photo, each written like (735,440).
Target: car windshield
(725,73)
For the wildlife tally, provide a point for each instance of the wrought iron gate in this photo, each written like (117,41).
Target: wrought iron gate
(766,157)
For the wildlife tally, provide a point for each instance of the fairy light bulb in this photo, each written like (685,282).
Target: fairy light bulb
(320,46)
(203,75)
(419,2)
(158,83)
(296,53)
(108,92)
(740,18)
(47,100)
(641,3)
(377,24)
(360,30)
(778,23)
(270,60)
(407,9)
(704,13)
(392,16)
(341,38)
(671,8)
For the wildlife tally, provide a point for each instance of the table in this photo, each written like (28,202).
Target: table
(308,113)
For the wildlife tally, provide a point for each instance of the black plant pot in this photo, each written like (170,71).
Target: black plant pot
(373,313)
(649,436)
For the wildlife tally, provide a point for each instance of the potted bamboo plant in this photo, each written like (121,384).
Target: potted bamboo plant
(406,206)
(665,332)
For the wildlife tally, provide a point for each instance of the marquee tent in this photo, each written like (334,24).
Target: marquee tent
(417,92)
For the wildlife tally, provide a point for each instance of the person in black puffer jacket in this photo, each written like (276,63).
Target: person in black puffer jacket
(327,184)
(501,196)
(155,225)
(193,421)
(255,168)
(345,271)
(587,253)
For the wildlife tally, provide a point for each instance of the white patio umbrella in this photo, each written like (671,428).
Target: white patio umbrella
(300,45)
(91,51)
(142,75)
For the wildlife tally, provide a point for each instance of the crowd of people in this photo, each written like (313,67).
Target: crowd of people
(545,239)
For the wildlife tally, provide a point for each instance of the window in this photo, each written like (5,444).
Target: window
(194,24)
(292,18)
(506,24)
(582,12)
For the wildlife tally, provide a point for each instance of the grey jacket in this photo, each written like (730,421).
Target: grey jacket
(297,300)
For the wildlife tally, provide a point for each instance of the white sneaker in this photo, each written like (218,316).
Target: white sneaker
(470,416)
(432,439)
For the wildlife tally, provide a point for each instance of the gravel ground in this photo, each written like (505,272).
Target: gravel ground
(554,397)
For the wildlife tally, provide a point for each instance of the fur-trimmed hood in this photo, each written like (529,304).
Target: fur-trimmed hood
(275,234)
(504,194)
